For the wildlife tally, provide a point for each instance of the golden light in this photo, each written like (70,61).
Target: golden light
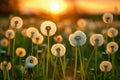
(54,6)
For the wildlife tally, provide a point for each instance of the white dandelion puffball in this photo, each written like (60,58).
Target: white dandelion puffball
(82,23)
(38,39)
(4,42)
(31,32)
(78,38)
(112,47)
(112,32)
(97,40)
(21,52)
(16,22)
(10,34)
(58,50)
(108,18)
(48,28)
(105,66)
(58,38)
(31,60)
(5,65)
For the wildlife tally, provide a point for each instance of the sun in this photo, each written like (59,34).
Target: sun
(54,6)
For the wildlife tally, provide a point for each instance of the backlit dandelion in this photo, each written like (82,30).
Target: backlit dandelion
(91,25)
(105,66)
(96,40)
(10,34)
(82,24)
(5,65)
(23,32)
(58,49)
(78,38)
(48,28)
(58,38)
(31,60)
(38,39)
(108,18)
(16,22)
(21,52)
(31,31)
(112,32)
(4,42)
(112,47)
(67,30)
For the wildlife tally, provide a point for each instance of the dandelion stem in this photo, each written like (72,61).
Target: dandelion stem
(89,61)
(96,61)
(62,68)
(9,47)
(32,50)
(13,48)
(8,75)
(75,67)
(113,72)
(48,56)
(43,66)
(37,57)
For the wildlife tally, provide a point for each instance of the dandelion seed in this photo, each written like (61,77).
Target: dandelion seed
(112,32)
(97,40)
(105,66)
(58,50)
(112,47)
(58,38)
(10,34)
(78,38)
(31,32)
(21,52)
(38,39)
(16,22)
(31,60)
(5,65)
(108,18)
(48,28)
(4,42)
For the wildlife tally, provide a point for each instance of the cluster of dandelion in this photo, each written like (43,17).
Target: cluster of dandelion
(44,59)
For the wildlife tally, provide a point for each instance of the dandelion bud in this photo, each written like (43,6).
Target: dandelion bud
(105,66)
(58,49)
(108,18)
(16,22)
(48,28)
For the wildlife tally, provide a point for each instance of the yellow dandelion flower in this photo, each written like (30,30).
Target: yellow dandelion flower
(10,34)
(31,32)
(112,47)
(97,40)
(21,52)
(16,22)
(112,32)
(31,60)
(58,38)
(108,18)
(38,39)
(78,38)
(48,28)
(5,65)
(82,24)
(105,66)
(58,50)
(4,42)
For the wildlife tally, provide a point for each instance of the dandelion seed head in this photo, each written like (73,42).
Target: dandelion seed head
(4,42)
(97,40)
(58,38)
(112,32)
(5,65)
(58,50)
(108,18)
(10,34)
(31,60)
(78,38)
(112,47)
(82,24)
(105,66)
(21,52)
(38,39)
(16,22)
(48,28)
